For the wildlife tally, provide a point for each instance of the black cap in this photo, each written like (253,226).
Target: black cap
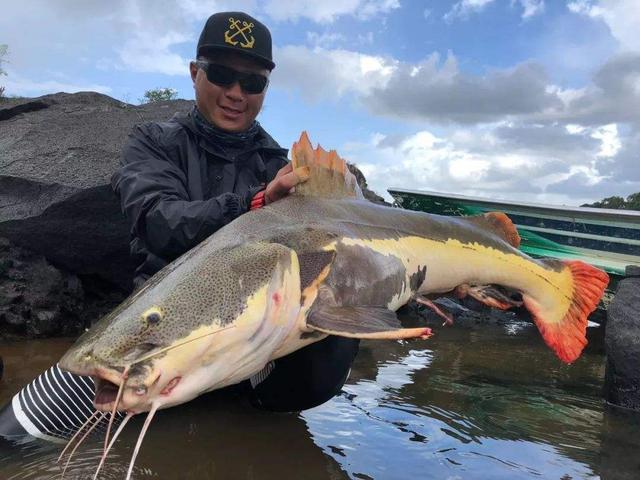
(237,32)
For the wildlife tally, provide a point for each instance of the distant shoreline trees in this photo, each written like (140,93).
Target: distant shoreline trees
(159,95)
(632,202)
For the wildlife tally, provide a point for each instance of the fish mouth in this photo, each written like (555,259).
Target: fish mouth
(135,391)
(106,394)
(107,385)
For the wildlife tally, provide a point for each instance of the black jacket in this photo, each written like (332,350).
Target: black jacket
(177,187)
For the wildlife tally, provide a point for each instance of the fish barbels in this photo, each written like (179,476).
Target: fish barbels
(321,261)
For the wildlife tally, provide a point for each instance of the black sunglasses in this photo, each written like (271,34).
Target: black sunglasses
(251,83)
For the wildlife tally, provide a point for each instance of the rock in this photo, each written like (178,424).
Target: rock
(362,182)
(466,313)
(58,154)
(40,300)
(632,271)
(622,343)
(35,296)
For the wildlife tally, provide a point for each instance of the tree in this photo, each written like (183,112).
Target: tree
(159,95)
(631,203)
(612,202)
(3,51)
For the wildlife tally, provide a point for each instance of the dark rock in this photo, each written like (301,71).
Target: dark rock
(16,107)
(39,300)
(58,153)
(466,313)
(84,233)
(632,271)
(622,341)
(33,296)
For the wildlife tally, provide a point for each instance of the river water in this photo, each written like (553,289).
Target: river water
(488,402)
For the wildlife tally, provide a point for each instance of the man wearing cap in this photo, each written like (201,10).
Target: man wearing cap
(182,180)
(178,183)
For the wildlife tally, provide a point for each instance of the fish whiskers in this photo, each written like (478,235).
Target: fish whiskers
(97,417)
(93,421)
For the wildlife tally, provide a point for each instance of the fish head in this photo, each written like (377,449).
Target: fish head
(206,321)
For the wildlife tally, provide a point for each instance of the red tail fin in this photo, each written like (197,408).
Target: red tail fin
(566,335)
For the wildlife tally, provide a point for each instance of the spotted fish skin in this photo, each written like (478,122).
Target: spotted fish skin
(247,294)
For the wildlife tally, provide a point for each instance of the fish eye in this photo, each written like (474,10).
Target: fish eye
(141,390)
(152,316)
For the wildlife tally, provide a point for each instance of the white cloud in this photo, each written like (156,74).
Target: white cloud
(441,92)
(585,7)
(329,74)
(531,8)
(464,8)
(152,54)
(20,86)
(497,161)
(437,91)
(325,39)
(327,11)
(621,16)
(609,138)
(136,35)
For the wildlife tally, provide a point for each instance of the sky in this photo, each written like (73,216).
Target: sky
(522,100)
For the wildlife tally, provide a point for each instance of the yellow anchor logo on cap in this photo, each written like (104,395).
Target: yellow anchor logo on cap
(244,30)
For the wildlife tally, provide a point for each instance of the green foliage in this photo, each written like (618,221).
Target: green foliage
(610,202)
(633,201)
(618,203)
(159,95)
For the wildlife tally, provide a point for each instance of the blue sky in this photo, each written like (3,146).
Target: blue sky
(534,100)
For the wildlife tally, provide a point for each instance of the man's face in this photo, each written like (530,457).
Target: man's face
(228,108)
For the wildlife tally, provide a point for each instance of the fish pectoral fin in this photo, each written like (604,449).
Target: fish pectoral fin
(314,267)
(362,322)
(495,296)
(422,300)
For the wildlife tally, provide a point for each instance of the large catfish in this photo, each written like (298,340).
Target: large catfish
(323,261)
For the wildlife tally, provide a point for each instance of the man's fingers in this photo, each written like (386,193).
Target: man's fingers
(302,173)
(291,179)
(284,170)
(282,184)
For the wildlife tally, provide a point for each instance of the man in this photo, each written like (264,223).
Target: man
(184,179)
(179,182)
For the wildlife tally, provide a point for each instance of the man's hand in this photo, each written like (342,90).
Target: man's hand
(283,183)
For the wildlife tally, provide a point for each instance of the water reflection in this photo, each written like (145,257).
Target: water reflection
(479,403)
(619,459)
(470,403)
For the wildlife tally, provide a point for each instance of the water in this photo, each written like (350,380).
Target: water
(481,403)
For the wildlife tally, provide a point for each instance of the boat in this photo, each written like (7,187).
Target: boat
(605,238)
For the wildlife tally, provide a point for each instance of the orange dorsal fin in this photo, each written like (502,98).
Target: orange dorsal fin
(328,173)
(500,224)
